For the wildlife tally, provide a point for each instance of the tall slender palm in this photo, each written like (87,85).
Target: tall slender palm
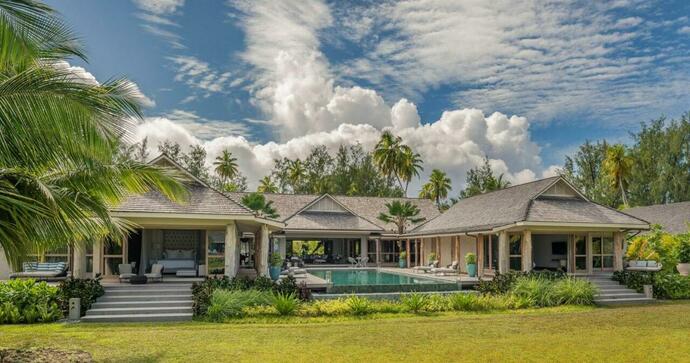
(257,202)
(437,187)
(387,154)
(266,185)
(226,166)
(401,214)
(409,165)
(618,166)
(59,164)
(296,174)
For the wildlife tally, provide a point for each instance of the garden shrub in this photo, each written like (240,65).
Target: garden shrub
(263,283)
(465,302)
(572,291)
(538,290)
(656,245)
(415,302)
(285,304)
(437,303)
(541,292)
(287,285)
(28,301)
(358,305)
(671,286)
(682,250)
(88,290)
(501,283)
(326,308)
(226,304)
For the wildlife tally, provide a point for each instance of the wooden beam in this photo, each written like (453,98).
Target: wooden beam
(407,254)
(527,251)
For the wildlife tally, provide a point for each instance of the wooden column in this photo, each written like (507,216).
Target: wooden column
(364,246)
(480,255)
(618,239)
(589,254)
(408,254)
(232,250)
(457,250)
(527,251)
(503,252)
(378,252)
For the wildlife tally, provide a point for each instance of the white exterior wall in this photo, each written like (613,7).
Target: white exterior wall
(446,251)
(467,245)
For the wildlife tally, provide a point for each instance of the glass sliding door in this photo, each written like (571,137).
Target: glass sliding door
(580,242)
(113,255)
(602,253)
(515,250)
(215,253)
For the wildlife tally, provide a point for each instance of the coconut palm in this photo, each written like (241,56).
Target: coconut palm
(257,202)
(387,154)
(226,166)
(266,185)
(401,214)
(296,174)
(59,164)
(617,167)
(409,165)
(437,187)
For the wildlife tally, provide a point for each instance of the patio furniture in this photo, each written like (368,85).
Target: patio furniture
(352,261)
(648,266)
(156,272)
(138,280)
(42,271)
(363,261)
(125,270)
(450,269)
(185,273)
(425,268)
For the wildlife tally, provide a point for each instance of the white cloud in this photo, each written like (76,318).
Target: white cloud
(204,128)
(684,30)
(199,74)
(159,7)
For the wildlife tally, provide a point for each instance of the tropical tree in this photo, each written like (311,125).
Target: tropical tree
(437,187)
(409,165)
(618,166)
(296,174)
(387,154)
(266,185)
(482,180)
(226,166)
(401,214)
(257,202)
(59,164)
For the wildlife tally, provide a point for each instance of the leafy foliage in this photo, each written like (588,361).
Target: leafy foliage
(437,187)
(401,214)
(28,301)
(358,305)
(471,258)
(502,283)
(682,250)
(257,202)
(617,167)
(656,245)
(666,285)
(415,302)
(226,304)
(543,292)
(88,290)
(482,180)
(285,304)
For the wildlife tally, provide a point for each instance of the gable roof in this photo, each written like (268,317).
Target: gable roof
(367,208)
(202,198)
(526,202)
(673,217)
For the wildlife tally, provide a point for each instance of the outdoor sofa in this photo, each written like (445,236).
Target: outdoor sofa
(426,268)
(42,271)
(650,266)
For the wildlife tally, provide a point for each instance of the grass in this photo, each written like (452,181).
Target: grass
(564,334)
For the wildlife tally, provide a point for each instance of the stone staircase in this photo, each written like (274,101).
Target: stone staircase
(149,302)
(612,293)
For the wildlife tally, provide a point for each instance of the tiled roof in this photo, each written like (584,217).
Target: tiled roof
(520,203)
(330,221)
(674,217)
(202,200)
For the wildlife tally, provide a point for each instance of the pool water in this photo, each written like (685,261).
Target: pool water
(369,280)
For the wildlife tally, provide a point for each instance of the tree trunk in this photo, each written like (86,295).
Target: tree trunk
(625,198)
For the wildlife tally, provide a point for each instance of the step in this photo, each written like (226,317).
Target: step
(629,301)
(139,310)
(147,292)
(146,286)
(620,295)
(138,298)
(136,304)
(615,290)
(137,318)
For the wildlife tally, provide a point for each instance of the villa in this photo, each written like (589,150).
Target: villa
(545,224)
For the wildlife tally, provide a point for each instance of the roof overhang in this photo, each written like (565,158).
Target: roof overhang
(192,218)
(539,226)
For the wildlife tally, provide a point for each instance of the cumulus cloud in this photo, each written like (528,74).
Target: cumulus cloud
(157,17)
(159,7)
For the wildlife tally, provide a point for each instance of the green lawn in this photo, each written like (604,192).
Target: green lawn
(659,333)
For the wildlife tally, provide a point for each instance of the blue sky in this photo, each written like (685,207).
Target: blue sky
(269,79)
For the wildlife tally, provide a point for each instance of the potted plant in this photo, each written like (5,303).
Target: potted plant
(432,257)
(471,261)
(276,263)
(683,255)
(402,260)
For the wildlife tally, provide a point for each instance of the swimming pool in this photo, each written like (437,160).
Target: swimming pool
(371,280)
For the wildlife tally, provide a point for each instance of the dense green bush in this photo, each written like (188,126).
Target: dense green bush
(285,304)
(226,304)
(88,290)
(263,283)
(358,305)
(502,283)
(541,292)
(634,279)
(683,248)
(572,291)
(666,285)
(28,301)
(536,290)
(415,302)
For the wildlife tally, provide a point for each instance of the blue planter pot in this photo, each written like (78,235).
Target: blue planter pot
(402,263)
(274,271)
(472,270)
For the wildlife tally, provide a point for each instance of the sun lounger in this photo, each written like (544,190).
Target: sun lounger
(426,268)
(450,269)
(42,271)
(156,272)
(649,266)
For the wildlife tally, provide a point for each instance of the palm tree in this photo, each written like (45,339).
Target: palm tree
(226,166)
(59,164)
(409,165)
(617,166)
(387,154)
(296,174)
(257,202)
(437,187)
(266,185)
(401,214)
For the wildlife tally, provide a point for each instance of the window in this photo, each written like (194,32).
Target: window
(491,252)
(215,264)
(580,253)
(112,257)
(515,250)
(602,253)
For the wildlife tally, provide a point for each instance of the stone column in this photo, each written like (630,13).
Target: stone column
(262,269)
(378,252)
(364,246)
(480,255)
(79,264)
(97,258)
(407,253)
(282,246)
(232,250)
(589,254)
(618,239)
(527,251)
(503,252)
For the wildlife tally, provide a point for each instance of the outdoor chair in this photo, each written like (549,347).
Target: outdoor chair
(125,270)
(426,268)
(363,261)
(450,269)
(352,261)
(156,272)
